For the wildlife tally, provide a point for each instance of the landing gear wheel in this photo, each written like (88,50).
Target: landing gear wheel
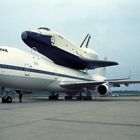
(7,99)
(54,97)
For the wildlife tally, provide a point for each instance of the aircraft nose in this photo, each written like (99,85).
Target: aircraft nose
(24,35)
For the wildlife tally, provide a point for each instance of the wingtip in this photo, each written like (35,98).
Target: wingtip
(116,63)
(113,63)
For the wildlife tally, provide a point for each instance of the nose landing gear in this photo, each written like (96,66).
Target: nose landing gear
(6,98)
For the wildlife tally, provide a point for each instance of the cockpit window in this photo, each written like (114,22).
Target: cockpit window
(44,28)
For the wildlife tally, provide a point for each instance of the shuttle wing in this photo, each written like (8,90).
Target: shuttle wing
(92,64)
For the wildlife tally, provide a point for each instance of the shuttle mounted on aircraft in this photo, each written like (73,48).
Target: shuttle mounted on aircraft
(64,70)
(62,51)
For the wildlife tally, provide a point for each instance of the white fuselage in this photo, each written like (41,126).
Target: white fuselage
(67,45)
(24,70)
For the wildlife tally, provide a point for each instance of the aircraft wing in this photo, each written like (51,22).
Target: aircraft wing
(93,84)
(117,83)
(80,84)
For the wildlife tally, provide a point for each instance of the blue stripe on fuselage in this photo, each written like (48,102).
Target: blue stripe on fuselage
(18,68)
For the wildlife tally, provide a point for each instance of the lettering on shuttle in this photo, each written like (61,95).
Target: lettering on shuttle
(52,40)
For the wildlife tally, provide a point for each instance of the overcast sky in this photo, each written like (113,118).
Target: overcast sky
(113,24)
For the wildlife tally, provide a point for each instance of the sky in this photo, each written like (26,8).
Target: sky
(113,24)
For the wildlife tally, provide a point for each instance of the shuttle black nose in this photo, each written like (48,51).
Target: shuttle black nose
(24,35)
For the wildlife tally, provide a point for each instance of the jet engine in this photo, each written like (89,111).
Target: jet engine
(103,90)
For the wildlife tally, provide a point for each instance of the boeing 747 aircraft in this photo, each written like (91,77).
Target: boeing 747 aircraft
(32,70)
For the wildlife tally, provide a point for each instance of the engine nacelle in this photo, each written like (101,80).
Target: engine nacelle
(103,90)
(90,53)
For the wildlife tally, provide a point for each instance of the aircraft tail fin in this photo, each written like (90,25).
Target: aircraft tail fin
(102,71)
(86,41)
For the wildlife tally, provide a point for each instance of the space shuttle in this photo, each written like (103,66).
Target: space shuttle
(63,51)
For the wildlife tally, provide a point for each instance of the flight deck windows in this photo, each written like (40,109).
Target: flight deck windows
(44,28)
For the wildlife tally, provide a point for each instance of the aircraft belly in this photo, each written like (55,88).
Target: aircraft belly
(30,81)
(27,83)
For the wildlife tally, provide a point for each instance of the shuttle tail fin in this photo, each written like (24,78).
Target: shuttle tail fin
(86,41)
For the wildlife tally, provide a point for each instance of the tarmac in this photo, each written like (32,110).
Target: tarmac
(108,118)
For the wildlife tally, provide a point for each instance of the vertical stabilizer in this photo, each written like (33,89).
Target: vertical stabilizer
(86,41)
(102,71)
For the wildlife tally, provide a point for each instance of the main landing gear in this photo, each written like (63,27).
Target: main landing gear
(54,96)
(86,95)
(69,96)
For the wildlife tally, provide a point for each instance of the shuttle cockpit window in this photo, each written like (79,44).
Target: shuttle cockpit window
(44,28)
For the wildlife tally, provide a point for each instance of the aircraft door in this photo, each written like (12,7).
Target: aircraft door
(35,56)
(27,70)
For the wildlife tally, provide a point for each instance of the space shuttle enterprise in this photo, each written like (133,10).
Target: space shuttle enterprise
(62,51)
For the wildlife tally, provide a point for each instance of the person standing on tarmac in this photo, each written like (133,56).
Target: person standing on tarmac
(20,97)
